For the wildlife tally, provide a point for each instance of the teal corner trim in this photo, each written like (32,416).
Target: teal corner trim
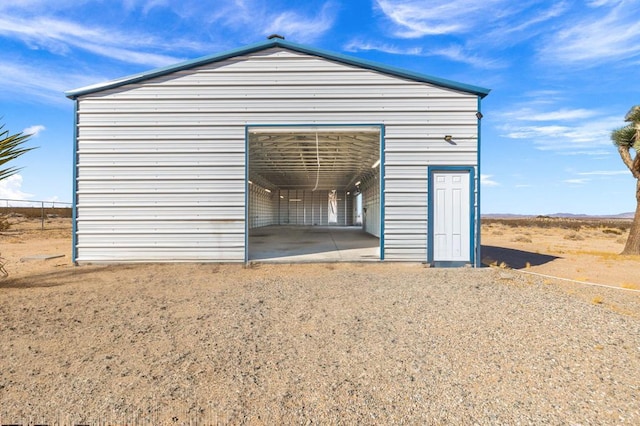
(338,57)
(74,190)
(382,198)
(430,212)
(478,262)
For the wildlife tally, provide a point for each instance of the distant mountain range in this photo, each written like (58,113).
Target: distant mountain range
(628,215)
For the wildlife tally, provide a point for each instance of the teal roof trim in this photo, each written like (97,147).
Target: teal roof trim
(276,42)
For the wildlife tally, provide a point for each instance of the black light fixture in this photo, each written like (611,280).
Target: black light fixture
(448,138)
(479,115)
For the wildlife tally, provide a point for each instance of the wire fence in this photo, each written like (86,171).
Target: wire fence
(34,209)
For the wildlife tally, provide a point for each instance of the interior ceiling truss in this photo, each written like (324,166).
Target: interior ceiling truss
(294,160)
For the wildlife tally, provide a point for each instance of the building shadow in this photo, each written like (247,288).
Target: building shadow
(516,259)
(61,277)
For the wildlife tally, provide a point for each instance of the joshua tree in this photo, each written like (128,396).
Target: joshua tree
(11,148)
(625,138)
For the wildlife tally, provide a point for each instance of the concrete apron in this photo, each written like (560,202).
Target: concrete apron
(312,244)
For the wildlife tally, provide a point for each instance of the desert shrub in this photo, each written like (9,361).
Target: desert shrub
(575,224)
(612,231)
(36,212)
(522,239)
(497,233)
(505,222)
(574,236)
(4,224)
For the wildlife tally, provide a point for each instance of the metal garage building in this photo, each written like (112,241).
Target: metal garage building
(187,162)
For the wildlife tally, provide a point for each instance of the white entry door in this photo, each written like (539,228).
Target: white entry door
(452,219)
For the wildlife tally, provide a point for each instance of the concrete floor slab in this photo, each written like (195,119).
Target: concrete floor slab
(312,244)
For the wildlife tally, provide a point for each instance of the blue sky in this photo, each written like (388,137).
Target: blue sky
(562,73)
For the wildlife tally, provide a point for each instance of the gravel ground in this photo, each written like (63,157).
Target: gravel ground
(306,344)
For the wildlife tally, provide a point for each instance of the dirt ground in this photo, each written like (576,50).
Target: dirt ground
(375,343)
(28,237)
(588,255)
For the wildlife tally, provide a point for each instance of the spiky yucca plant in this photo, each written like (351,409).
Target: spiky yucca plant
(11,147)
(627,138)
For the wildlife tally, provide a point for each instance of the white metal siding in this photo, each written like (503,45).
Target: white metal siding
(312,209)
(371,207)
(263,207)
(161,165)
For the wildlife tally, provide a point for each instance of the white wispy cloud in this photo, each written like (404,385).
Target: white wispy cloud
(609,31)
(460,54)
(581,178)
(598,3)
(11,188)
(418,18)
(593,153)
(38,5)
(576,181)
(499,21)
(300,27)
(248,19)
(485,180)
(148,5)
(562,114)
(39,25)
(359,46)
(131,56)
(34,130)
(571,131)
(522,24)
(604,173)
(60,36)
(603,31)
(587,137)
(29,81)
(539,99)
(483,31)
(454,53)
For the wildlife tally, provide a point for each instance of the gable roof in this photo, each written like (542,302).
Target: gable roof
(279,42)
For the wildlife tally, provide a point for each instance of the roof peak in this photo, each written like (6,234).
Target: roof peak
(277,40)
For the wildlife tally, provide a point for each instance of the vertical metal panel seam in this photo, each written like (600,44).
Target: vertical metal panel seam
(246,194)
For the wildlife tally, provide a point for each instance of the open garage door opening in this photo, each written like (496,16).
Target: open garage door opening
(313,193)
